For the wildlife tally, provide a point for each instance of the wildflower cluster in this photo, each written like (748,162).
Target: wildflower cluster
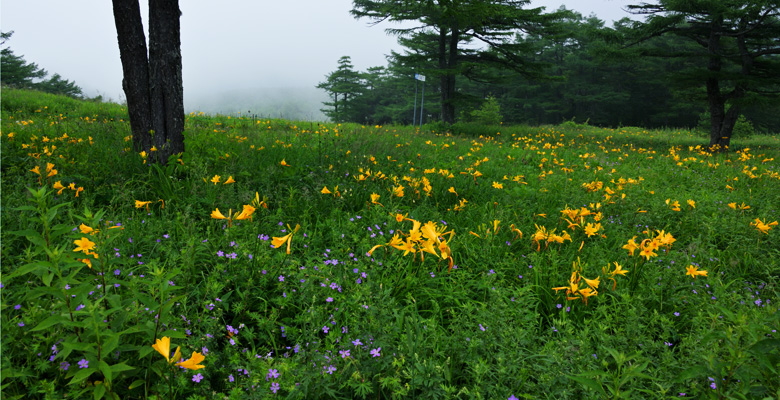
(422,238)
(648,247)
(575,290)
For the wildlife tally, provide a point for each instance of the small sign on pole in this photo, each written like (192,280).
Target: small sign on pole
(418,77)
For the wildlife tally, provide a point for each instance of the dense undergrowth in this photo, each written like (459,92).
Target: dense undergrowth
(421,264)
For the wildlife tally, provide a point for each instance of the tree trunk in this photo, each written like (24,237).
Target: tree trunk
(153,84)
(135,71)
(452,63)
(720,128)
(166,89)
(448,63)
(444,79)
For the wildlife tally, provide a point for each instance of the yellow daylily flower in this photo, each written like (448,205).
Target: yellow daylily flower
(495,226)
(279,241)
(408,246)
(59,187)
(163,346)
(664,239)
(139,204)
(588,292)
(674,205)
(215,179)
(591,229)
(396,242)
(257,203)
(593,283)
(229,180)
(611,274)
(631,246)
(648,249)
(517,231)
(284,163)
(325,190)
(85,229)
(398,191)
(193,362)
(246,212)
(762,226)
(694,271)
(375,199)
(216,214)
(84,245)
(618,270)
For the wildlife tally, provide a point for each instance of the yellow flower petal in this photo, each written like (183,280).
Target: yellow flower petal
(163,346)
(194,362)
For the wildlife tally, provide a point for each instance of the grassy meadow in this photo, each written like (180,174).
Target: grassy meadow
(302,260)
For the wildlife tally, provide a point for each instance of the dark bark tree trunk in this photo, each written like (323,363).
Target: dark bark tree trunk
(448,60)
(448,106)
(444,79)
(166,89)
(135,70)
(153,84)
(723,120)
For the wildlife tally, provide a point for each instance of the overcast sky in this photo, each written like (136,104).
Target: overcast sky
(244,45)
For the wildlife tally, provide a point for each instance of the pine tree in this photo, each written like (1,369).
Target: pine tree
(18,73)
(737,45)
(344,85)
(447,26)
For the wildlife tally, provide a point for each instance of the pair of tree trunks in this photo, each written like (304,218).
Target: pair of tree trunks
(152,79)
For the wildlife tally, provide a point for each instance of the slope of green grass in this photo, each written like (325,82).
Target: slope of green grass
(420,264)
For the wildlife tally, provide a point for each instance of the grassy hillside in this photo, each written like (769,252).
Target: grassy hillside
(308,260)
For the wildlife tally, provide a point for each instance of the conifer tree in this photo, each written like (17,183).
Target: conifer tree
(447,26)
(344,86)
(737,47)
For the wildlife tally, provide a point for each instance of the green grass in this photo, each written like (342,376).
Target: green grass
(313,322)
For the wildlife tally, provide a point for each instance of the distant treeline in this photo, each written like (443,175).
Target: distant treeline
(18,73)
(581,71)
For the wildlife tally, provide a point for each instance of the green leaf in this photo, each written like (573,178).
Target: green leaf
(48,322)
(27,268)
(132,329)
(16,373)
(110,343)
(144,351)
(173,334)
(99,392)
(121,367)
(47,278)
(693,372)
(136,384)
(37,240)
(589,383)
(765,346)
(82,374)
(106,370)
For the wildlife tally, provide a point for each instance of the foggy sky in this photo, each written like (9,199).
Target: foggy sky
(230,48)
